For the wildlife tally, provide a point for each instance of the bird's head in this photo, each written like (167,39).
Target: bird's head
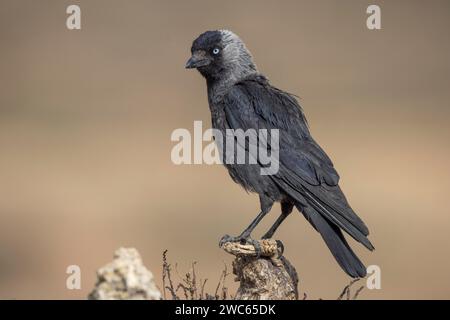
(221,55)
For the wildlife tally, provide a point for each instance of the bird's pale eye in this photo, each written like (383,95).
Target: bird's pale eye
(216,51)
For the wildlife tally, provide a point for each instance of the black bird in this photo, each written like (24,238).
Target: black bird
(242,98)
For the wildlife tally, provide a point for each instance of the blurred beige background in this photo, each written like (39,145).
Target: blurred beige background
(86,118)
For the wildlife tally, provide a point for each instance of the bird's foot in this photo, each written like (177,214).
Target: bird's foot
(280,246)
(227,238)
(242,240)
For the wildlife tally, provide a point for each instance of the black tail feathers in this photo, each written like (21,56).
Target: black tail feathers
(336,242)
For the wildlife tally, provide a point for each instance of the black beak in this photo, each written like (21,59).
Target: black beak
(190,63)
(197,60)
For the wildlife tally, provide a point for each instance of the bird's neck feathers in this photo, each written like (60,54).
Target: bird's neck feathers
(237,63)
(237,58)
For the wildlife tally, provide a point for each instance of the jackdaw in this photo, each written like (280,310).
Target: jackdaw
(240,97)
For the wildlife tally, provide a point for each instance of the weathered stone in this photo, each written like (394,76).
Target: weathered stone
(269,277)
(125,278)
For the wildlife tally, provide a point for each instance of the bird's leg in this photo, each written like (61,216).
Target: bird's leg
(275,226)
(286,209)
(244,237)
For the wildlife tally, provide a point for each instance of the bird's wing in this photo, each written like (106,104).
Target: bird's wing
(305,171)
(271,108)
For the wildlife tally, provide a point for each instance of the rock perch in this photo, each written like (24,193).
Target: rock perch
(268,277)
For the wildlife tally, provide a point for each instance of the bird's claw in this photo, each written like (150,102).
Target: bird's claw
(242,240)
(280,246)
(227,238)
(256,245)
